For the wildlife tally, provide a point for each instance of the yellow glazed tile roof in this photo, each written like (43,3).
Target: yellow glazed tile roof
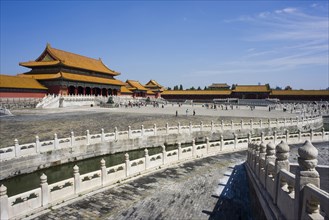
(71,60)
(149,92)
(136,85)
(196,92)
(75,77)
(153,83)
(124,89)
(251,88)
(300,92)
(19,82)
(39,63)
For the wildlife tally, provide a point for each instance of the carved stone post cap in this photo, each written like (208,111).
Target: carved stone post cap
(72,133)
(55,135)
(207,139)
(154,125)
(126,156)
(37,137)
(270,149)
(75,169)
(102,162)
(3,190)
(102,130)
(146,151)
(87,131)
(262,147)
(129,127)
(190,123)
(163,148)
(43,178)
(115,128)
(16,141)
(308,151)
(282,147)
(142,126)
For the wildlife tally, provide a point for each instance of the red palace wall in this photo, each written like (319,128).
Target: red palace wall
(22,94)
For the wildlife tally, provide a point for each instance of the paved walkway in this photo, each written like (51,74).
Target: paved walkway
(199,189)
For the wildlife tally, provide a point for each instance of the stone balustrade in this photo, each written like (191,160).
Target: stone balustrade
(283,194)
(49,194)
(39,147)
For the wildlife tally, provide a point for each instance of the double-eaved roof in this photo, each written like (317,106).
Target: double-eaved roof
(16,82)
(73,77)
(53,57)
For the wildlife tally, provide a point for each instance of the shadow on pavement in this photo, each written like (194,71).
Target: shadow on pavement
(234,201)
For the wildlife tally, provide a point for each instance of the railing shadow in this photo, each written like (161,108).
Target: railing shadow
(234,201)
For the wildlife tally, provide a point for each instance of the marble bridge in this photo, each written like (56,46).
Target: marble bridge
(268,172)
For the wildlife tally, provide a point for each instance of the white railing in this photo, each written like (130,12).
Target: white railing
(79,184)
(288,195)
(19,150)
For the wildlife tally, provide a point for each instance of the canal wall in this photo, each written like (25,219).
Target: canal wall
(26,158)
(284,190)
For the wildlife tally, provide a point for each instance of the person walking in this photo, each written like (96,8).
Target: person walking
(193,112)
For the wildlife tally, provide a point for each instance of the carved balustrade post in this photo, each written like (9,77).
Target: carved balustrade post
(262,137)
(299,135)
(4,203)
(306,174)
(76,177)
(72,139)
(147,159)
(167,128)
(241,124)
(269,123)
(193,149)
(260,123)
(249,137)
(44,190)
(37,144)
(164,155)
(281,162)
(262,154)
(178,128)
(179,150)
(127,162)
(17,148)
(269,158)
(103,172)
(56,143)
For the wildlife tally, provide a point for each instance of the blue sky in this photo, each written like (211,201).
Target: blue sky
(193,43)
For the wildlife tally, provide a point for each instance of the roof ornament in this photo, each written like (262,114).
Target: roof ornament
(48,44)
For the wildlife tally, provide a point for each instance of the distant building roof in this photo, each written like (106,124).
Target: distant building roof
(219,86)
(196,92)
(133,84)
(52,56)
(73,77)
(19,83)
(300,92)
(251,88)
(124,89)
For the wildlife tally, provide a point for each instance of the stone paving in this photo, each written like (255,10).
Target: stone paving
(200,189)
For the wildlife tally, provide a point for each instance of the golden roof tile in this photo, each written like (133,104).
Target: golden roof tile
(136,85)
(71,60)
(196,92)
(75,77)
(300,92)
(19,82)
(251,88)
